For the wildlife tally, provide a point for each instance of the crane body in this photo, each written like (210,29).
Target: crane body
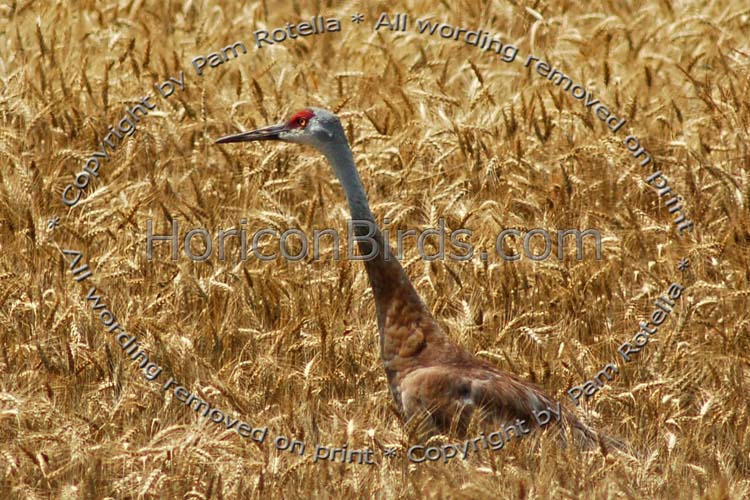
(429,375)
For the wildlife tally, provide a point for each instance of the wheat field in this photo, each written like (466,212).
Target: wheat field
(439,129)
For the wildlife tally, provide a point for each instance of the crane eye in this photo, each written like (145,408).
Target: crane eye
(301,122)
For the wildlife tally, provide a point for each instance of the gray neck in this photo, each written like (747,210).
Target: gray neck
(387,278)
(340,157)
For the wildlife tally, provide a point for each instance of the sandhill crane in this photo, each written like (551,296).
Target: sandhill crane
(429,375)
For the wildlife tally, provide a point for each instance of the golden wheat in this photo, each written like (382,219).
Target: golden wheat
(439,129)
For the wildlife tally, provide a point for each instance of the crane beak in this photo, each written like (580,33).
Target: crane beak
(262,134)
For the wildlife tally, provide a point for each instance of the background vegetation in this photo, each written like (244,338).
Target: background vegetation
(439,129)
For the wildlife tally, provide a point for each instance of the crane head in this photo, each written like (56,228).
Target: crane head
(314,126)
